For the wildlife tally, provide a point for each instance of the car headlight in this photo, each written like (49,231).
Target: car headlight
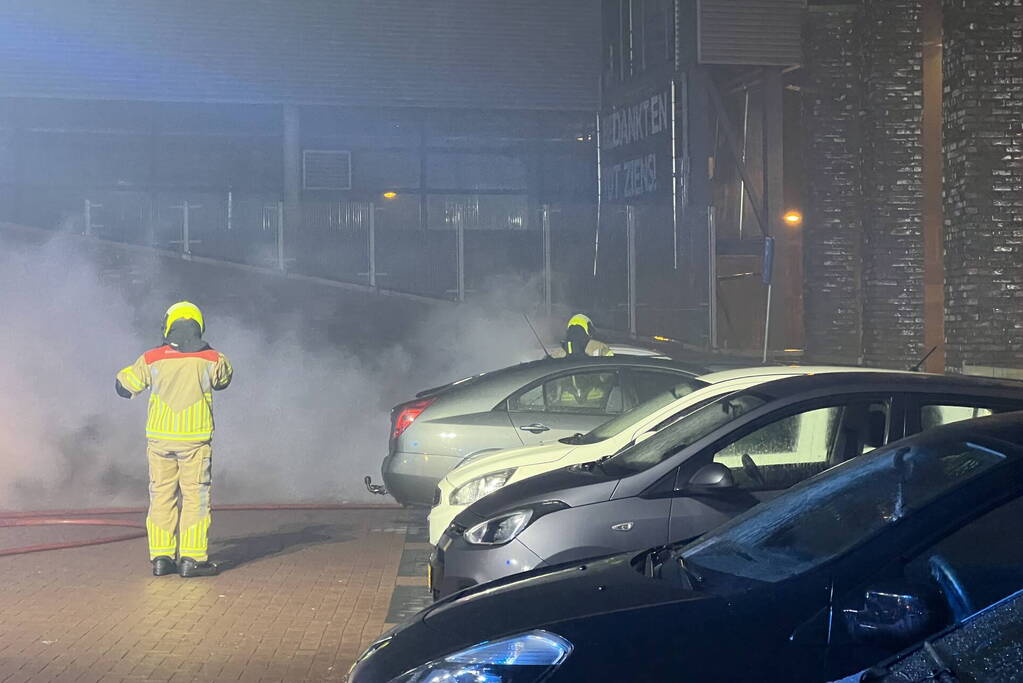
(471,491)
(500,529)
(524,658)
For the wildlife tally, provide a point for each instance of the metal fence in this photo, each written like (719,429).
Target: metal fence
(618,273)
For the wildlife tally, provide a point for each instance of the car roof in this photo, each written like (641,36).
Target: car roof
(783,370)
(531,370)
(887,381)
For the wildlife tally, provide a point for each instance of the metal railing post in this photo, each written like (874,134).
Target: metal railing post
(230,209)
(712,280)
(630,237)
(186,236)
(372,245)
(545,224)
(89,206)
(460,250)
(281,265)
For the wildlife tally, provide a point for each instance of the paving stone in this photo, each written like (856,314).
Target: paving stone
(288,602)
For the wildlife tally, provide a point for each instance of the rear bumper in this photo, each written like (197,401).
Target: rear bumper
(412,477)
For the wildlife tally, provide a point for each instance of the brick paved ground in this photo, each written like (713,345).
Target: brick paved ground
(301,593)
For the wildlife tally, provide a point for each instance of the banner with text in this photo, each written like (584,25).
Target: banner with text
(635,150)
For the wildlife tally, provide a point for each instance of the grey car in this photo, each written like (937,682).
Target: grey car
(719,459)
(528,404)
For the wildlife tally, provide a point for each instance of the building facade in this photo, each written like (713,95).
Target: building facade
(406,145)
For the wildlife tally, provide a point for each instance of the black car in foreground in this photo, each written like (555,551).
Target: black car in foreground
(829,578)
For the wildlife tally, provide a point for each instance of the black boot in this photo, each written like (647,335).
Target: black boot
(189,568)
(164,565)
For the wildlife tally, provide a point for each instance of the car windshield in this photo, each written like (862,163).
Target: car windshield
(836,511)
(690,425)
(644,410)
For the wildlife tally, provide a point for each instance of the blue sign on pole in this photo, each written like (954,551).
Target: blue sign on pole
(768,269)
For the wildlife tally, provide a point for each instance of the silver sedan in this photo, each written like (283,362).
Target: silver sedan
(528,404)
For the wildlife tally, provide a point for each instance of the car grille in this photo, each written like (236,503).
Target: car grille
(436,496)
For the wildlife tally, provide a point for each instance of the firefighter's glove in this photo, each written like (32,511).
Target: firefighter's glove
(121,391)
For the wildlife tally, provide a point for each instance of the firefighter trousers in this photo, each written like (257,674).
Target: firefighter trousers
(173,468)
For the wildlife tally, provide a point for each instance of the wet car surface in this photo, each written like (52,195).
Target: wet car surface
(921,523)
(730,455)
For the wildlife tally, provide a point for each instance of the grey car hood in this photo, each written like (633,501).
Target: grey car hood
(574,486)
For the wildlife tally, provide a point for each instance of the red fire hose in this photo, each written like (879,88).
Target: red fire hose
(92,518)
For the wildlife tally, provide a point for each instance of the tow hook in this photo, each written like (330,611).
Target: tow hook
(375,489)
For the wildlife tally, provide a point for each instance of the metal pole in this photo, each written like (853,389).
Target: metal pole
(712,284)
(372,245)
(460,249)
(674,180)
(630,236)
(767,320)
(88,217)
(545,224)
(186,247)
(280,236)
(742,178)
(230,209)
(600,199)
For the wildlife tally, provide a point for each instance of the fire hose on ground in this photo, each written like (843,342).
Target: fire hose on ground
(95,517)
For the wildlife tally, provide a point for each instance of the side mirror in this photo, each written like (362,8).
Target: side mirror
(711,477)
(893,618)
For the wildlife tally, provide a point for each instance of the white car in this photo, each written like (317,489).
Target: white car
(480,476)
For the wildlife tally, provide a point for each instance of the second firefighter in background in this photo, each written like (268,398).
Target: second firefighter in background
(579,340)
(182,375)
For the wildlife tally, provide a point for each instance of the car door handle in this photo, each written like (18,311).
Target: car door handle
(535,428)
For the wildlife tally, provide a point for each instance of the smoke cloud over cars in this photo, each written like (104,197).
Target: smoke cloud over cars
(305,418)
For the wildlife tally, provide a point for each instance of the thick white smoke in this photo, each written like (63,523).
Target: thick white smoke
(304,420)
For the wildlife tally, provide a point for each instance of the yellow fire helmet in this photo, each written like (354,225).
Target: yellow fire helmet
(582,321)
(183,310)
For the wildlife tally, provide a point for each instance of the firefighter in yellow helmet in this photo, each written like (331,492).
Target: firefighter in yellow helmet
(182,375)
(579,340)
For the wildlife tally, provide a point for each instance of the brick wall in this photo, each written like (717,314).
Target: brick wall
(983,182)
(833,148)
(893,247)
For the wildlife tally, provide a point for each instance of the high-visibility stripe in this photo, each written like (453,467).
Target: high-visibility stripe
(161,541)
(195,540)
(193,436)
(195,421)
(133,381)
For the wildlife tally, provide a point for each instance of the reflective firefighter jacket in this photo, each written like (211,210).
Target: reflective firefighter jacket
(593,348)
(181,402)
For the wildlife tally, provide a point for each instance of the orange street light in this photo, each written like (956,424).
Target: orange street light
(390,194)
(793,218)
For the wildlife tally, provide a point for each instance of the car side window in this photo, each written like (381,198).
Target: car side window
(804,437)
(799,444)
(528,401)
(648,384)
(582,392)
(934,415)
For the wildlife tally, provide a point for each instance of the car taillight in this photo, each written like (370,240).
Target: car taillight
(406,414)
